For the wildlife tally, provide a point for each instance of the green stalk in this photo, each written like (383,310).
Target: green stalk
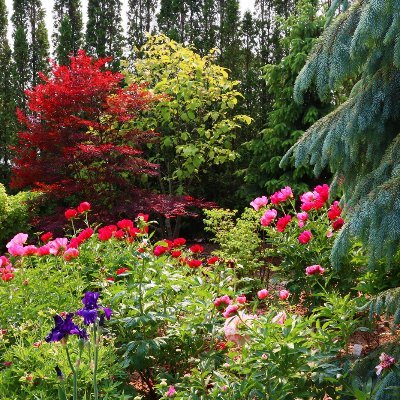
(96,358)
(75,377)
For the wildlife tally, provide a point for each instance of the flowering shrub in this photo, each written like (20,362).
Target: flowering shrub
(185,324)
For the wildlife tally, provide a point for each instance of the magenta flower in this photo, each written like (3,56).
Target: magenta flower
(314,270)
(302,217)
(259,202)
(305,237)
(223,300)
(282,222)
(70,253)
(241,299)
(171,391)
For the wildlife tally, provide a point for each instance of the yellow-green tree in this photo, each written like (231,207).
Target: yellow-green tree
(196,119)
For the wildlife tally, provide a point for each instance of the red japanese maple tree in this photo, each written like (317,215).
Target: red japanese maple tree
(80,141)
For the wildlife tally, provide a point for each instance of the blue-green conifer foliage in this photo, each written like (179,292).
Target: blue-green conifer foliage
(359,141)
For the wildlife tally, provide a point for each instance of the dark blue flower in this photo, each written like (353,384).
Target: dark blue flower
(90,300)
(63,328)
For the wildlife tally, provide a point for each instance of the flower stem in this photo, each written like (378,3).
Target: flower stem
(74,372)
(96,357)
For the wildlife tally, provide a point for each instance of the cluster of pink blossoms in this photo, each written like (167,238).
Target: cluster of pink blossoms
(314,200)
(386,362)
(314,270)
(264,293)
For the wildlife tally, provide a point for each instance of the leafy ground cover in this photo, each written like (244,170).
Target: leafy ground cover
(108,312)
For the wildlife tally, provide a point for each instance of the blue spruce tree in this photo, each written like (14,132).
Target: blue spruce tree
(359,141)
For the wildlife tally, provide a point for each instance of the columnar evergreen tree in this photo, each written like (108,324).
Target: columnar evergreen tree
(21,50)
(104,34)
(287,120)
(7,102)
(140,18)
(31,45)
(67,36)
(229,39)
(360,140)
(39,41)
(172,19)
(208,23)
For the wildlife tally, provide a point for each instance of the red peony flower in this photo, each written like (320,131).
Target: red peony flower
(282,222)
(46,237)
(126,224)
(176,253)
(122,270)
(196,248)
(336,225)
(83,207)
(212,260)
(70,213)
(178,242)
(193,263)
(159,250)
(334,211)
(144,217)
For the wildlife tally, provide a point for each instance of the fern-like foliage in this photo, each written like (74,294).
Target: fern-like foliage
(359,141)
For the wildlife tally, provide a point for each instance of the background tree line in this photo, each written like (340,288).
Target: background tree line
(263,49)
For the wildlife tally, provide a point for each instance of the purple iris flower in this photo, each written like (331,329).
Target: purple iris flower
(89,312)
(63,328)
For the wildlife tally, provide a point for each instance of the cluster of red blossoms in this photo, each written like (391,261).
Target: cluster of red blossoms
(175,249)
(6,269)
(125,229)
(81,209)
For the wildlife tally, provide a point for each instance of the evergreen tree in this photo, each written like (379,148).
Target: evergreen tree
(360,140)
(172,19)
(229,37)
(208,27)
(104,36)
(7,103)
(39,41)
(140,18)
(21,50)
(31,46)
(67,37)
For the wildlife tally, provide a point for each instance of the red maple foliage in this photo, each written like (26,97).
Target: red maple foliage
(79,140)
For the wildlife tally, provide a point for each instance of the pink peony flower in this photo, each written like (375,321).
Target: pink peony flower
(70,254)
(15,249)
(259,202)
(241,299)
(302,217)
(231,310)
(18,239)
(30,250)
(386,362)
(262,294)
(314,270)
(43,251)
(171,391)
(268,217)
(280,318)
(282,222)
(305,237)
(284,294)
(223,300)
(282,195)
(233,327)
(57,245)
